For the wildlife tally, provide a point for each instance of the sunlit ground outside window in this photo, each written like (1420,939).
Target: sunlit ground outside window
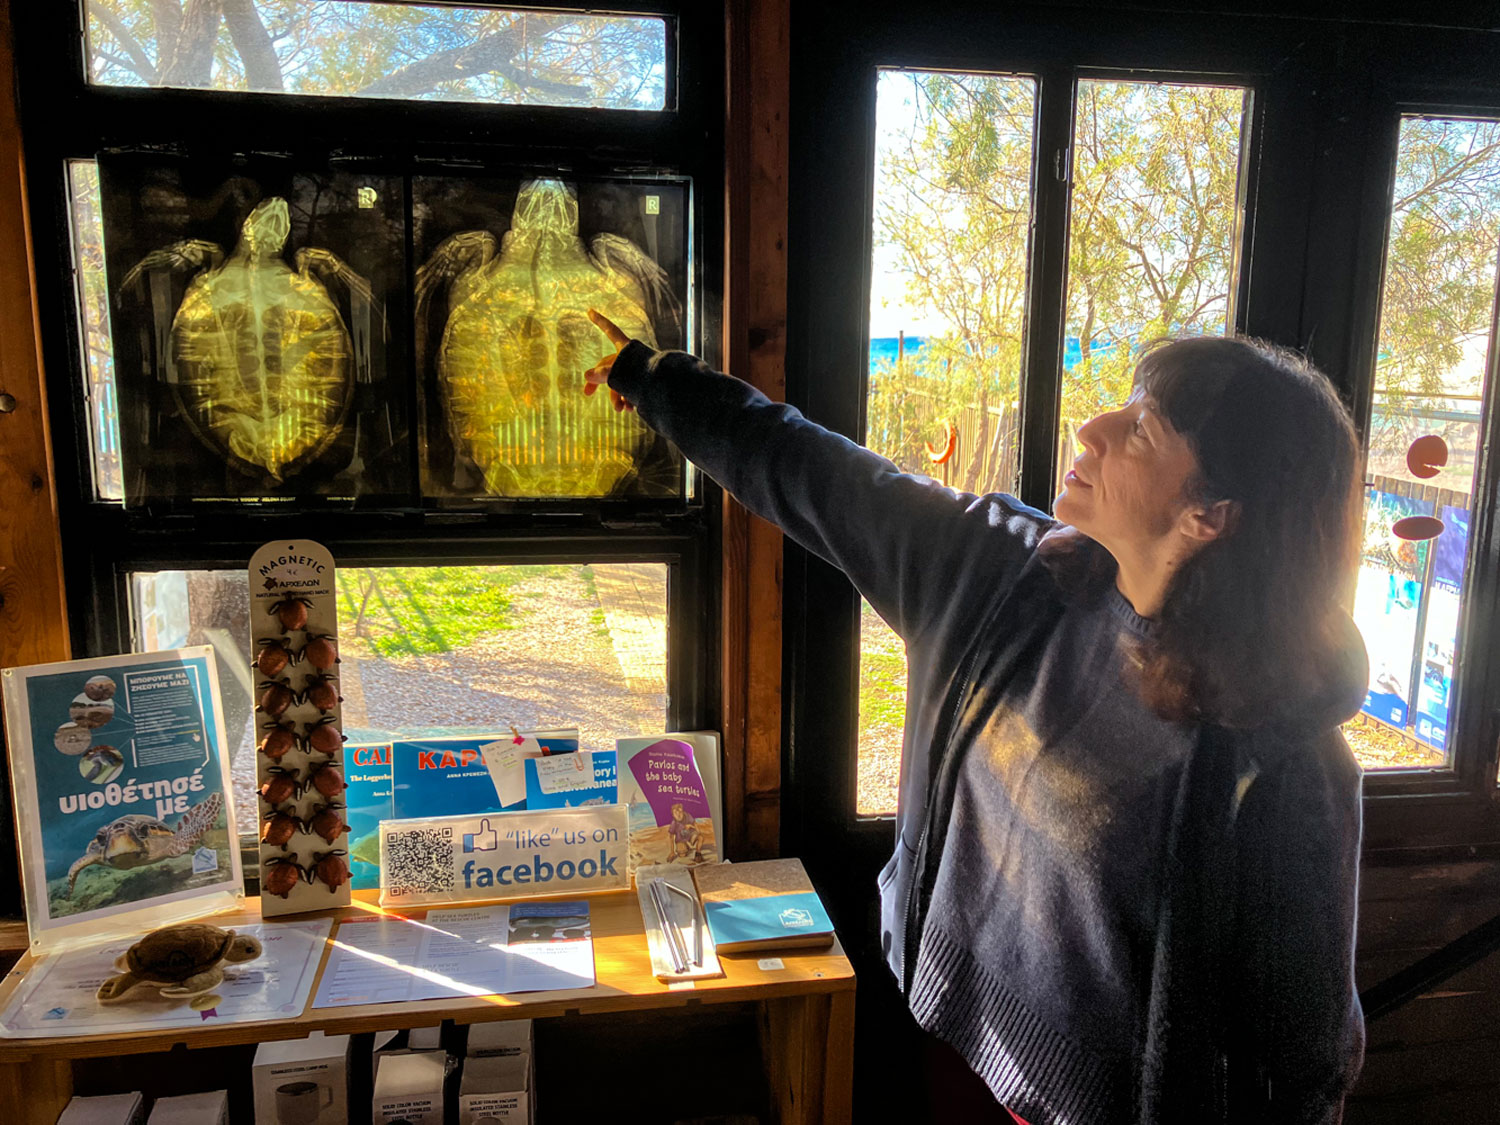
(1435,317)
(489,647)
(410,52)
(953,168)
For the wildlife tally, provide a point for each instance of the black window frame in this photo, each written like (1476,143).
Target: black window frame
(1316,211)
(65,118)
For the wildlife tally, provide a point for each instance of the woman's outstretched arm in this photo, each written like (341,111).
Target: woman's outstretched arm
(906,542)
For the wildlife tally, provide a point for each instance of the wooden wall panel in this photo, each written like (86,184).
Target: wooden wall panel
(755,347)
(33,624)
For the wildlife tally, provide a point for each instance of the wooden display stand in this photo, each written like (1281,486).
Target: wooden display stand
(805,1010)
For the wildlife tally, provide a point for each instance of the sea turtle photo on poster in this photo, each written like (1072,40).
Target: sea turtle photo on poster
(504,337)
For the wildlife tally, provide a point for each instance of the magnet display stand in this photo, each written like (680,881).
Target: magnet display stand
(299,756)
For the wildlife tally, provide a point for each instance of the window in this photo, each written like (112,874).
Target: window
(953,168)
(1154,236)
(1434,352)
(1156,202)
(505,555)
(478,647)
(364,49)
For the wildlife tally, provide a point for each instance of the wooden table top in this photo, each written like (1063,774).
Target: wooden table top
(622,971)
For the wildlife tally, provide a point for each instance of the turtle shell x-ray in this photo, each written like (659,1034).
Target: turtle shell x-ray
(259,356)
(503,325)
(256,336)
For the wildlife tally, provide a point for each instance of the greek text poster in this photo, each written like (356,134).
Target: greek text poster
(120,775)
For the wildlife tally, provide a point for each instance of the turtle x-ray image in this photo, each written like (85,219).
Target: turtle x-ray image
(506,273)
(255,313)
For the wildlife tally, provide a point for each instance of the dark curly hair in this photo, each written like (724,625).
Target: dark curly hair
(1254,624)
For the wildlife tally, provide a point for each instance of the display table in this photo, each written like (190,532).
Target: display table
(805,1010)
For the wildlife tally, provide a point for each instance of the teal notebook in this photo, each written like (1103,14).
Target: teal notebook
(767,904)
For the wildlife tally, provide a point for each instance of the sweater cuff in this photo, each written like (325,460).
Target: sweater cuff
(632,367)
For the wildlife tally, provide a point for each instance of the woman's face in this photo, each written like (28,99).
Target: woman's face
(1127,489)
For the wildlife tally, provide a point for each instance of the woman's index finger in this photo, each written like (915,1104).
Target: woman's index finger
(609,328)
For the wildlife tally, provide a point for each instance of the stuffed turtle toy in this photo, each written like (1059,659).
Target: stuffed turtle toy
(182,961)
(260,358)
(517,340)
(135,840)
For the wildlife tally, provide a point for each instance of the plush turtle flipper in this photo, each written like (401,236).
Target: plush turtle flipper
(115,988)
(86,860)
(196,985)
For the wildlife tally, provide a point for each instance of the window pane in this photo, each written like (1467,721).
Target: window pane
(1154,235)
(1437,304)
(93,318)
(537,647)
(382,50)
(953,169)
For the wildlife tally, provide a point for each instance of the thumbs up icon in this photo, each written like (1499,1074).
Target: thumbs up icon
(484,840)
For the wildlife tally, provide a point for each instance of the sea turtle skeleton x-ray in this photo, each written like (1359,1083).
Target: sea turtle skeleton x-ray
(258,355)
(516,341)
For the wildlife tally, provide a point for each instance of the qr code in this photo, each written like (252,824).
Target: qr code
(419,861)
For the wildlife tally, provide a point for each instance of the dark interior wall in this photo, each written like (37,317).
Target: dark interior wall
(1316,241)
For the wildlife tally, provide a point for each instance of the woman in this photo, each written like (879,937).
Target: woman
(1124,881)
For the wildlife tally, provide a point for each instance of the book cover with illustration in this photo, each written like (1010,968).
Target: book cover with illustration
(671,816)
(439,772)
(766,904)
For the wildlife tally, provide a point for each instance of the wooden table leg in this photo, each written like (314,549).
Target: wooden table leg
(808,1046)
(35,1091)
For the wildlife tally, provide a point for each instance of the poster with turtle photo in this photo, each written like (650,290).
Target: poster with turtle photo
(258,315)
(121,781)
(506,270)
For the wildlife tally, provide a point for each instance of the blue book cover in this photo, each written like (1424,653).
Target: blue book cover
(367,771)
(444,776)
(770,920)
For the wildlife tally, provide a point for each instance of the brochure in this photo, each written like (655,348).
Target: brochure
(465,951)
(57,998)
(120,772)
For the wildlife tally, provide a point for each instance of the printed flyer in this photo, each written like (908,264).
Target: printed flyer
(121,779)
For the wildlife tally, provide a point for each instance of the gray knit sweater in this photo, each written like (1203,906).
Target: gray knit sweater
(1112,917)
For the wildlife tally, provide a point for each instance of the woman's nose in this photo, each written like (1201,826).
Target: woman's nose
(1090,435)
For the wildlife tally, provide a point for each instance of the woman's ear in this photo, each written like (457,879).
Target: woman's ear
(1213,522)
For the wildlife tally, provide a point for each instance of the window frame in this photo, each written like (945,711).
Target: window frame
(64,118)
(1305,278)
(1465,788)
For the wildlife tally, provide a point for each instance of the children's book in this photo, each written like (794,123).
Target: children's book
(671,816)
(442,772)
(766,904)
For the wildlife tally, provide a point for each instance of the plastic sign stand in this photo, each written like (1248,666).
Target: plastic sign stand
(442,860)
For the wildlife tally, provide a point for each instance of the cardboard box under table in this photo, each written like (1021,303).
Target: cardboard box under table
(800,1007)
